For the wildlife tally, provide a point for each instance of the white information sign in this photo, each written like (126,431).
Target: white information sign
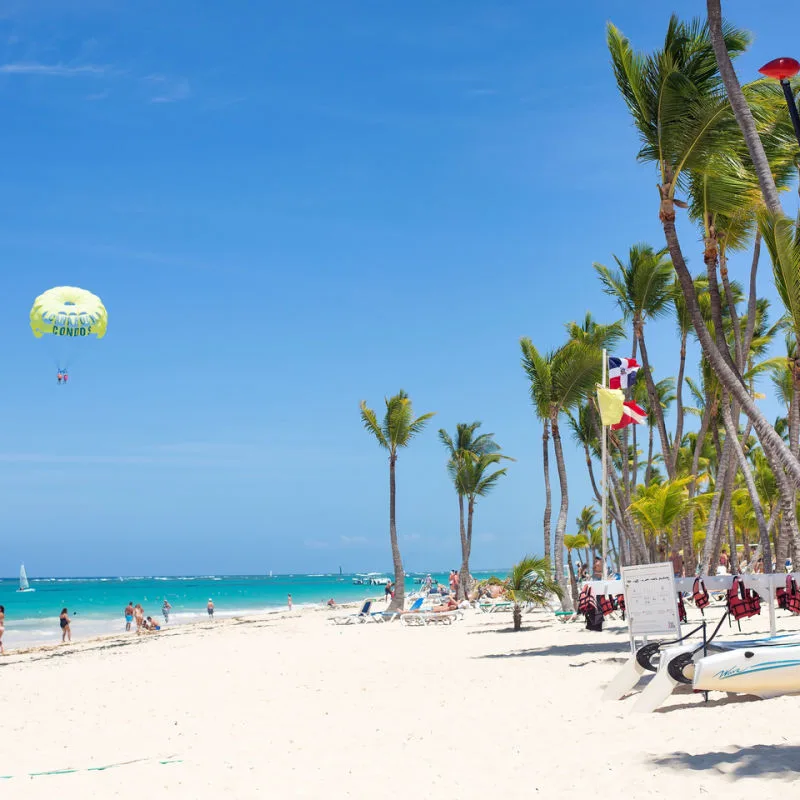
(651,601)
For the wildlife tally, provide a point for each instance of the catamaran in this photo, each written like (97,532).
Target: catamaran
(24,586)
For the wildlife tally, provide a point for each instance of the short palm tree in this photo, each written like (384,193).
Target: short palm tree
(468,466)
(396,430)
(576,541)
(530,582)
(660,506)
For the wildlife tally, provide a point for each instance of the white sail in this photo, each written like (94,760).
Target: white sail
(23,579)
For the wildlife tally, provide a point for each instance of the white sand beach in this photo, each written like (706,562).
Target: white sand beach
(296,707)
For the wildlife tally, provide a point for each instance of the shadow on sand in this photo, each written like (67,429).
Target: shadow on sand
(585,648)
(507,628)
(759,761)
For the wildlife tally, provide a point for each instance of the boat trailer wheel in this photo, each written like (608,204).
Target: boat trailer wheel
(676,668)
(645,654)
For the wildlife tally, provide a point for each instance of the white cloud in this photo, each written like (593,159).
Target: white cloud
(168,90)
(53,70)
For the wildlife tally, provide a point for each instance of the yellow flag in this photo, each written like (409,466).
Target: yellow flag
(610,403)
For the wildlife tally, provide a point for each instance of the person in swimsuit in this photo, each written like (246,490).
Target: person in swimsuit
(138,614)
(210,608)
(2,628)
(59,376)
(128,615)
(165,609)
(66,634)
(66,377)
(289,602)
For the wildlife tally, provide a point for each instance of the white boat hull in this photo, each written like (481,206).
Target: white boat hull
(26,590)
(761,671)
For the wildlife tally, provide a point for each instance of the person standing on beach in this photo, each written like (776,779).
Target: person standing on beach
(2,628)
(289,602)
(128,615)
(138,613)
(64,620)
(165,609)
(210,608)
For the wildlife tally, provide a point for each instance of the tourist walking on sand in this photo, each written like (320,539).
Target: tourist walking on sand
(2,628)
(289,601)
(128,615)
(210,608)
(165,609)
(64,620)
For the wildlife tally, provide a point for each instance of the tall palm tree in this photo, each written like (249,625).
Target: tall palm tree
(562,378)
(529,582)
(683,117)
(643,290)
(396,430)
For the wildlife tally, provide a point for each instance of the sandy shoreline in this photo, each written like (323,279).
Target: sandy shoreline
(295,705)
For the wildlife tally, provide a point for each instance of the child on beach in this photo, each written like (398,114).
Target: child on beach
(128,615)
(64,620)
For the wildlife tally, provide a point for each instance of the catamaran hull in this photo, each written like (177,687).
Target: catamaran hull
(25,590)
(761,671)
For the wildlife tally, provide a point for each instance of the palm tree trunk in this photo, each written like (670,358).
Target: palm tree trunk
(398,602)
(732,434)
(465,581)
(572,582)
(688,531)
(655,405)
(648,473)
(548,502)
(710,254)
(729,301)
(769,438)
(679,412)
(464,577)
(741,110)
(561,522)
(713,516)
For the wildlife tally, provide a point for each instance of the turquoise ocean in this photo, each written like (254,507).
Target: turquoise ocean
(96,604)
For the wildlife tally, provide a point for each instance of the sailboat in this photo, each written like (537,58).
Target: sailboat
(23,580)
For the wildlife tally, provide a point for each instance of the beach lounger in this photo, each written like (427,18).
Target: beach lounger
(490,608)
(362,616)
(388,616)
(430,618)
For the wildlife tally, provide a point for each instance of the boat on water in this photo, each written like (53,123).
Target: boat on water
(24,586)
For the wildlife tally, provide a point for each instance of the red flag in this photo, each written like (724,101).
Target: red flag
(633,414)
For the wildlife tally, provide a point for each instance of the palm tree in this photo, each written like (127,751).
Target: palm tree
(397,430)
(466,446)
(530,582)
(684,118)
(643,290)
(659,507)
(576,541)
(473,479)
(560,380)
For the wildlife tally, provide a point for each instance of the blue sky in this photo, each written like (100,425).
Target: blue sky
(288,208)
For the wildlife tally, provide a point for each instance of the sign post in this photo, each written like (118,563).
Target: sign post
(650,601)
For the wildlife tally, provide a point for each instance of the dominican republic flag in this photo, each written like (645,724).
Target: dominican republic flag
(632,414)
(622,372)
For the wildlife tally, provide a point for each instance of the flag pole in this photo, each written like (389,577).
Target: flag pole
(604,455)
